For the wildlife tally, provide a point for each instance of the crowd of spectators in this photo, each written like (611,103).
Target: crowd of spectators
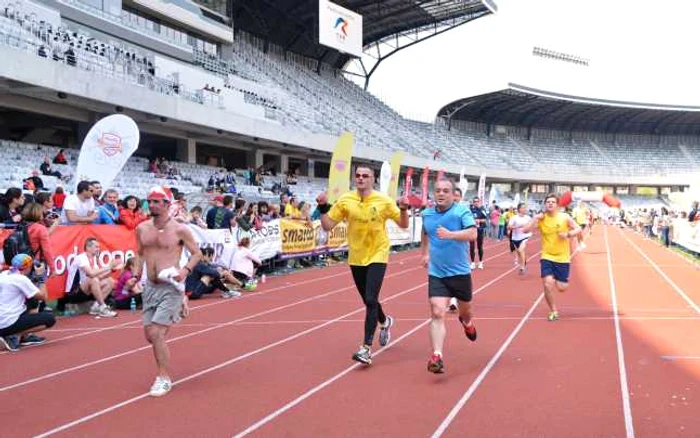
(113,286)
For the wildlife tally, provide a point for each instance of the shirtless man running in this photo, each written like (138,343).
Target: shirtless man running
(160,242)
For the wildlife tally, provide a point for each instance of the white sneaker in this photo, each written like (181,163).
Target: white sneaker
(95,308)
(481,265)
(106,312)
(161,387)
(473,265)
(167,275)
(231,294)
(453,304)
(582,246)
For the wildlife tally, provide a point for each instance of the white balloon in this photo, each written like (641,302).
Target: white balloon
(385,177)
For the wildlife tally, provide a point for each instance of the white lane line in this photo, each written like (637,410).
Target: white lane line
(188,335)
(653,264)
(218,366)
(273,415)
(624,386)
(93,330)
(480,378)
(178,338)
(680,357)
(477,382)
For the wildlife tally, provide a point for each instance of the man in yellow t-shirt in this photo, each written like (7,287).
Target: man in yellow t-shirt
(556,228)
(580,214)
(366,212)
(291,210)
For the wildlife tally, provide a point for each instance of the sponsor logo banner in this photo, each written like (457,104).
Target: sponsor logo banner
(686,234)
(283,237)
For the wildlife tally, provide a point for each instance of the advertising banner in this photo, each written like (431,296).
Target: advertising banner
(339,28)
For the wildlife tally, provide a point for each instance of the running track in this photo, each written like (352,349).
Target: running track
(277,361)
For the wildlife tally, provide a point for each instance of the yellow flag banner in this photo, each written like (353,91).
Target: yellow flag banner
(338,237)
(395,163)
(298,237)
(301,239)
(341,165)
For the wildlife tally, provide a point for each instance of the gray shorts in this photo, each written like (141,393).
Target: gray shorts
(162,304)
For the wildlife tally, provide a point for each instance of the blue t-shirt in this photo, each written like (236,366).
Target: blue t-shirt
(447,257)
(107,214)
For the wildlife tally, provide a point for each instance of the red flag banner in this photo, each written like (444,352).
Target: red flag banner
(68,242)
(408,185)
(424,185)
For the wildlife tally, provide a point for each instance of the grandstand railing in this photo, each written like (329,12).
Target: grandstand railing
(30,44)
(118,19)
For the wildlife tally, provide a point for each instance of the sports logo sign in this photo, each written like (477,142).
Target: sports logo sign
(339,28)
(106,148)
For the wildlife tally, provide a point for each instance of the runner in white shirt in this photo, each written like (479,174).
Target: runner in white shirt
(519,238)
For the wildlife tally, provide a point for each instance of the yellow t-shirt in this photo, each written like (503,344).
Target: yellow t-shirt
(291,211)
(580,215)
(555,248)
(368,241)
(509,216)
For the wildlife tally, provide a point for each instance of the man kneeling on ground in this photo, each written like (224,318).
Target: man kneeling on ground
(17,322)
(207,278)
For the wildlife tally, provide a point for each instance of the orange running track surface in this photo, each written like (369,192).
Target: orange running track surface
(277,361)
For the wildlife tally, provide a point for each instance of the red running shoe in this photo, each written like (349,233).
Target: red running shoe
(435,364)
(469,330)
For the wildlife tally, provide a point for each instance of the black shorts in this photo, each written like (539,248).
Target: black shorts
(560,271)
(240,276)
(27,321)
(457,286)
(583,226)
(517,243)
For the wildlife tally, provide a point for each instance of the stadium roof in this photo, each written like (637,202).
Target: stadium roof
(519,106)
(293,25)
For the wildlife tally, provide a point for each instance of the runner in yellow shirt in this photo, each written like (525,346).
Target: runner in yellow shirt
(366,212)
(556,228)
(580,214)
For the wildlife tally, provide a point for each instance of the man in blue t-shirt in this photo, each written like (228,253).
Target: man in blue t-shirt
(446,230)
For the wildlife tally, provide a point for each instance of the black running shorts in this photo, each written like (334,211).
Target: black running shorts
(517,243)
(458,286)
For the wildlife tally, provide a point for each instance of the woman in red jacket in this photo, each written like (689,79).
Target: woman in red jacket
(131,215)
(39,240)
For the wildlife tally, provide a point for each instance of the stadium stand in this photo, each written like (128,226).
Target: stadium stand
(288,82)
(263,80)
